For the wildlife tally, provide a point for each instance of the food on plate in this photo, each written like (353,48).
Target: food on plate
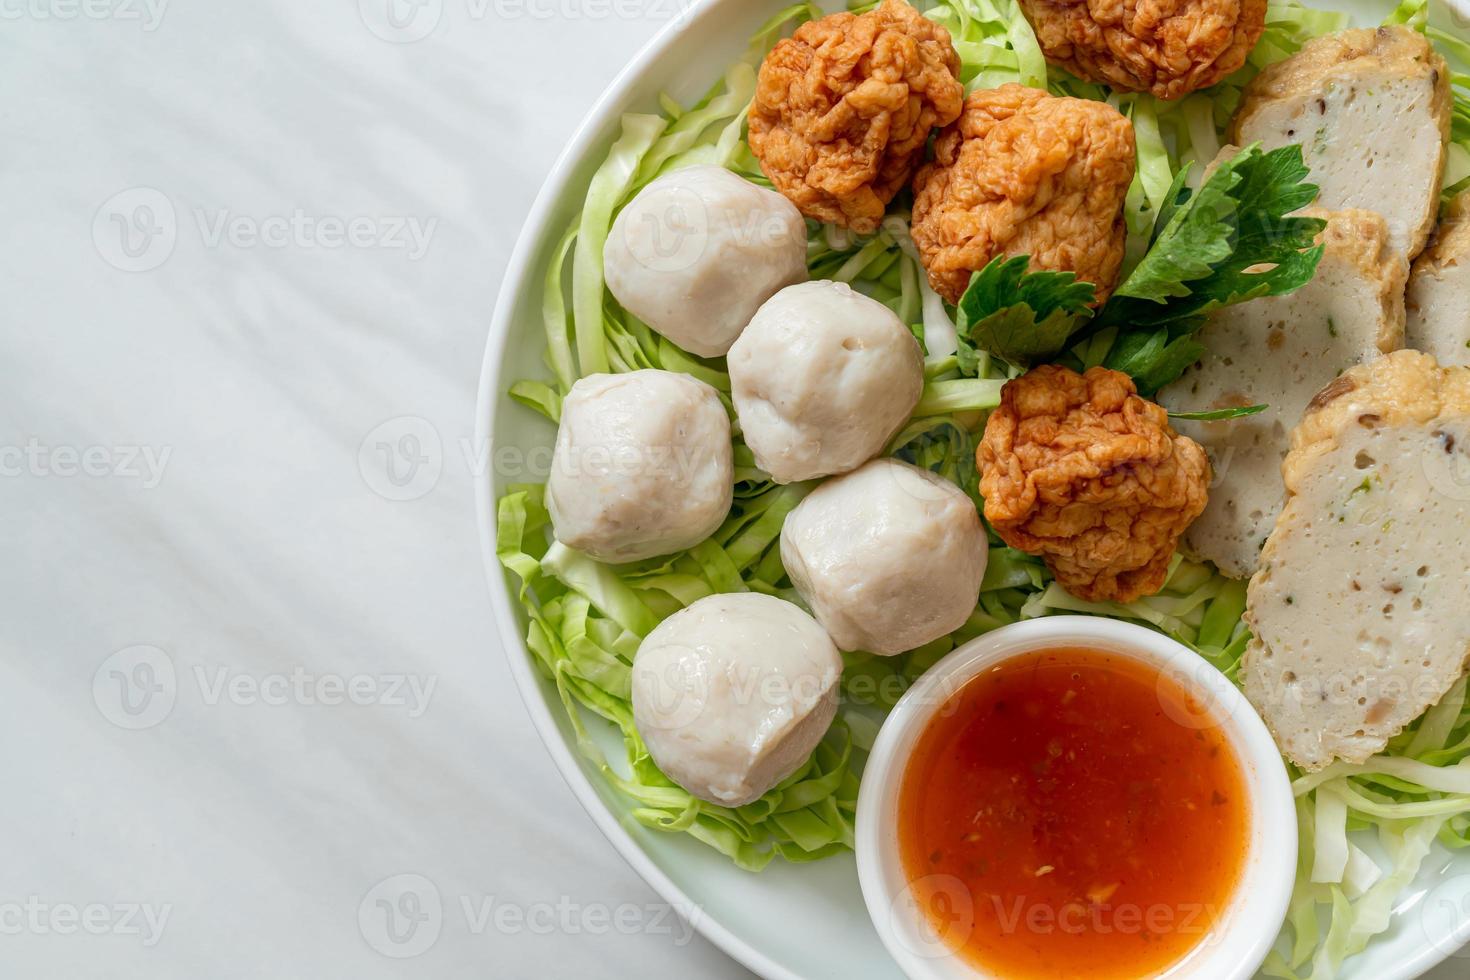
(1078,469)
(643,465)
(1234,239)
(733,693)
(1279,351)
(821,379)
(1439,290)
(888,557)
(1358,610)
(1169,49)
(1057,182)
(1025,173)
(843,110)
(697,252)
(1371,110)
(1049,785)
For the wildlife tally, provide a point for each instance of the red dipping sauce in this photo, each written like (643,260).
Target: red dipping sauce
(1057,821)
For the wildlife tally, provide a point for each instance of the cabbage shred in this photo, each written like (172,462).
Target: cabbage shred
(585,620)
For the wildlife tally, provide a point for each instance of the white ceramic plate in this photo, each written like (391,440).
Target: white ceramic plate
(786,923)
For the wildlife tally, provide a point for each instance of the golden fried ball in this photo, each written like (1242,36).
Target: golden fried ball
(1025,173)
(1083,472)
(1167,47)
(844,108)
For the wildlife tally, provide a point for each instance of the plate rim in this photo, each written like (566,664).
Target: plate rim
(518,275)
(487,402)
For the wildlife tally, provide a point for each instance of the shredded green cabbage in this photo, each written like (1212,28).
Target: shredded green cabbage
(584,620)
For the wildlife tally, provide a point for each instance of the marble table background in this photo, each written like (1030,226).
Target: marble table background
(248,253)
(195,345)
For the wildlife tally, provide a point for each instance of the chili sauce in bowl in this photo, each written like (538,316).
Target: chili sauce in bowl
(1075,797)
(1096,835)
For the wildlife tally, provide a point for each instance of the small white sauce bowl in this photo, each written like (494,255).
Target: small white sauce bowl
(1243,933)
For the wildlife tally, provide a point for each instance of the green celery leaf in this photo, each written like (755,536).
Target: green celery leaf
(1020,316)
(1154,357)
(1235,240)
(1231,242)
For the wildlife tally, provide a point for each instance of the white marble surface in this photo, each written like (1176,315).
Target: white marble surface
(250,544)
(215,610)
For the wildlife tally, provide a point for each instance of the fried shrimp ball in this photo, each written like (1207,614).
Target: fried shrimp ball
(1167,47)
(1083,472)
(1025,173)
(844,108)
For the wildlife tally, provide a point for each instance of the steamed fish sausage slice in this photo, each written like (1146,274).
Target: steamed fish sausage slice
(1359,609)
(1439,290)
(1280,351)
(1371,110)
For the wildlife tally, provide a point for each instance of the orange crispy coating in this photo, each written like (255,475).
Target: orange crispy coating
(1085,473)
(843,110)
(1167,47)
(1025,173)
